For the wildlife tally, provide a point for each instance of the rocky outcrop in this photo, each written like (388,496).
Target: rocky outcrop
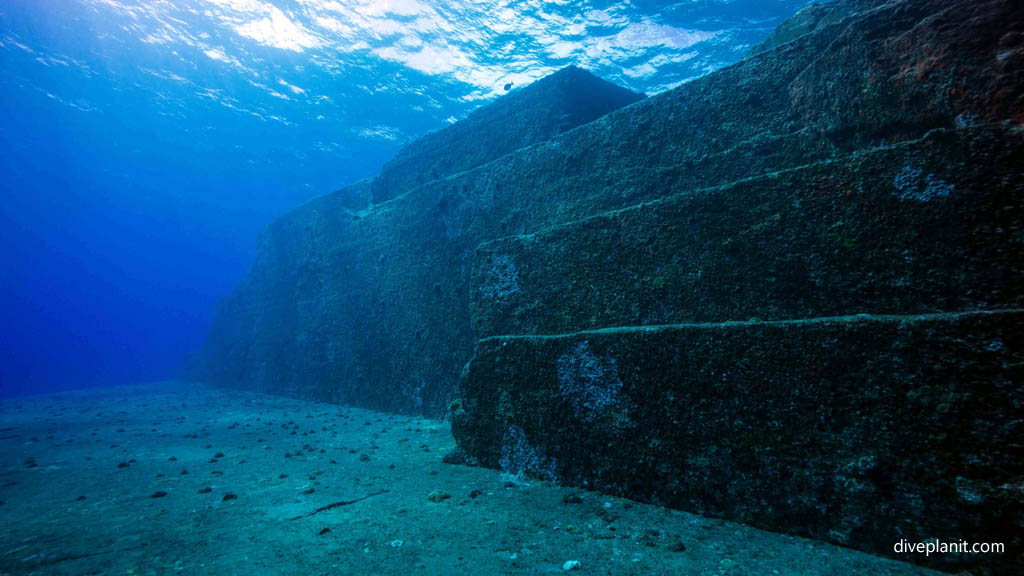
(362,296)
(787,293)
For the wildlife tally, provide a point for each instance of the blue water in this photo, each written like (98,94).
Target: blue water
(144,144)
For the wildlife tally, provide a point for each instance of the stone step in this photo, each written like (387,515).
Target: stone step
(860,430)
(911,228)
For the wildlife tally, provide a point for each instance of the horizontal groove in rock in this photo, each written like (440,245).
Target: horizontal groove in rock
(793,322)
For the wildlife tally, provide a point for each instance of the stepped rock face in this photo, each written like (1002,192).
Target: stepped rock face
(787,293)
(890,230)
(368,303)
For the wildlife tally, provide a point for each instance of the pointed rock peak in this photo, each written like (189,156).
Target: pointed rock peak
(571,73)
(582,95)
(525,116)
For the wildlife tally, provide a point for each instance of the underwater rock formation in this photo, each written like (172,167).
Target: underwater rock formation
(362,296)
(787,293)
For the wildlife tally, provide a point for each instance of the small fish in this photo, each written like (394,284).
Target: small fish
(508,86)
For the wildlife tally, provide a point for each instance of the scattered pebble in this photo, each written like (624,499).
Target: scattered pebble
(438,496)
(667,548)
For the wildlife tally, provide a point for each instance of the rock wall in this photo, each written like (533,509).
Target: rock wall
(787,293)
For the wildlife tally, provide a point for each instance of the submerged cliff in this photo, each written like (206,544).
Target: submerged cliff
(788,293)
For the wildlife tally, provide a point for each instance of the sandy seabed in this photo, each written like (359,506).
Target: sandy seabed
(177,478)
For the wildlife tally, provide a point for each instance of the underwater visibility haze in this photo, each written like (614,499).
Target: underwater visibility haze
(715,287)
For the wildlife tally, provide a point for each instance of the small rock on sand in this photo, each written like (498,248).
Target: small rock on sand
(438,496)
